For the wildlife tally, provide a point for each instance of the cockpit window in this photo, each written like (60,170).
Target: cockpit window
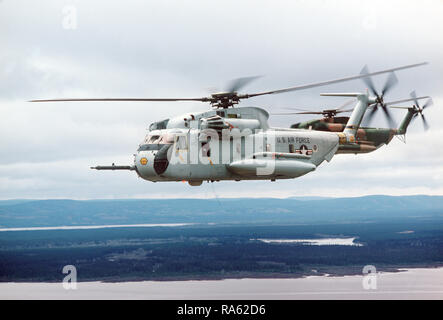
(148,147)
(158,125)
(153,139)
(166,138)
(156,141)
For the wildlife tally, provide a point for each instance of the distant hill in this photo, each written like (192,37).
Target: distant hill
(40,213)
(15,201)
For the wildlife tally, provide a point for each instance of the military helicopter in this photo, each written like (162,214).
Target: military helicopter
(237,143)
(368,139)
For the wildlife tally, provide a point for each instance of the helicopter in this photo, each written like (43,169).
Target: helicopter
(368,139)
(237,143)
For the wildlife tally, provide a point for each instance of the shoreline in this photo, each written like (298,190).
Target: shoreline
(345,272)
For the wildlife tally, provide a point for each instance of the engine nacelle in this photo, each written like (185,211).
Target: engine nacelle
(218,123)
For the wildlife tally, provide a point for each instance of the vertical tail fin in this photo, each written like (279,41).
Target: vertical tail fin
(406,120)
(356,116)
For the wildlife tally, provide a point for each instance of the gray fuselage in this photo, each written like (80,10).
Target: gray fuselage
(230,144)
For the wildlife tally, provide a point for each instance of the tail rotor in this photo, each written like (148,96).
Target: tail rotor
(379,97)
(417,110)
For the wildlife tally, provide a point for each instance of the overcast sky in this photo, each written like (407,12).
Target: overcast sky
(69,48)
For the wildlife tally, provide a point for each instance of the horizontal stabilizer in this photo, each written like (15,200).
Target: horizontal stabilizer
(400,107)
(406,100)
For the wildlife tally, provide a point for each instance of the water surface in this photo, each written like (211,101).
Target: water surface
(409,284)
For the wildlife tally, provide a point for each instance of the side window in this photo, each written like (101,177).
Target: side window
(181,142)
(205,147)
(167,138)
(206,151)
(291,148)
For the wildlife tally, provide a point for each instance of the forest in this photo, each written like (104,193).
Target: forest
(218,251)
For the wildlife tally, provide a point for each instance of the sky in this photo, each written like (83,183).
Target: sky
(73,48)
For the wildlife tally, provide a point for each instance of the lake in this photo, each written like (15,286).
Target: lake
(315,242)
(409,284)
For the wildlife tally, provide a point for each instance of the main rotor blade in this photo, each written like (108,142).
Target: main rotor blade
(242,96)
(297,109)
(292,113)
(390,83)
(405,100)
(338,110)
(347,110)
(122,99)
(310,112)
(324,83)
(239,83)
(347,103)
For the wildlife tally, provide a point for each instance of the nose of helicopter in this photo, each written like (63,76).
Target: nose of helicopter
(144,163)
(151,164)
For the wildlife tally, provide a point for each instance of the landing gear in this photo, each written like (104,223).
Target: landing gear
(195,183)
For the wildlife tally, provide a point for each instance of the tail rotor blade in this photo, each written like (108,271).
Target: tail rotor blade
(368,81)
(390,83)
(414,98)
(389,118)
(371,115)
(425,123)
(428,103)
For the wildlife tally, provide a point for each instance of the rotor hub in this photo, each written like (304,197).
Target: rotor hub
(224,100)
